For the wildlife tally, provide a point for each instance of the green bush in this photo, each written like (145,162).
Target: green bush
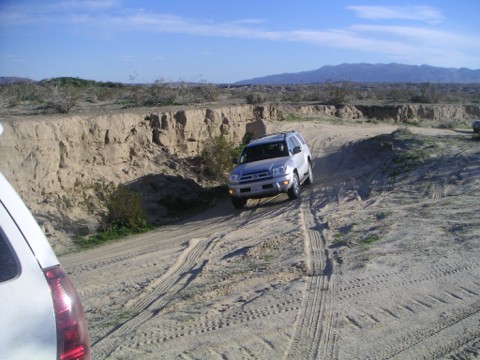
(415,151)
(339,92)
(125,216)
(428,94)
(109,234)
(125,210)
(247,137)
(255,98)
(217,155)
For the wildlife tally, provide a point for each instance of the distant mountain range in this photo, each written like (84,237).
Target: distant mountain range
(362,73)
(376,73)
(12,79)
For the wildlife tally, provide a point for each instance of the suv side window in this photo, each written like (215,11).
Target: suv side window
(9,268)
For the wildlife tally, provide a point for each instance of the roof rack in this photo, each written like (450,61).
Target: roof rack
(284,133)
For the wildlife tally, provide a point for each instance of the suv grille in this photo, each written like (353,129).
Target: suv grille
(256,176)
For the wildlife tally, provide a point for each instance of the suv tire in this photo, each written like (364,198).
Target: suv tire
(309,179)
(238,203)
(294,191)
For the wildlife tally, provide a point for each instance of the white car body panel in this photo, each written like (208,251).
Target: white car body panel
(26,300)
(28,226)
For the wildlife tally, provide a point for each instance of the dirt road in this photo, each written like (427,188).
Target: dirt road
(365,265)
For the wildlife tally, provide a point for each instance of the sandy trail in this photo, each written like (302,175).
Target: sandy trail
(362,266)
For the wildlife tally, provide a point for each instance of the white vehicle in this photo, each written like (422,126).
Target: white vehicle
(41,316)
(272,164)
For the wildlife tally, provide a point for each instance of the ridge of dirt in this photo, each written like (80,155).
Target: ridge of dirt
(378,259)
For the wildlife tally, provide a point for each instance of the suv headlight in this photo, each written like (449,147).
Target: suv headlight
(233,178)
(281,170)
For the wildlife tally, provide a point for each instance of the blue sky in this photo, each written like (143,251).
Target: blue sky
(223,41)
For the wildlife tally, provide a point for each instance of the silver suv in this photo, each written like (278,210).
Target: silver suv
(273,164)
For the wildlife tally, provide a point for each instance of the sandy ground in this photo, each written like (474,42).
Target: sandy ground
(364,265)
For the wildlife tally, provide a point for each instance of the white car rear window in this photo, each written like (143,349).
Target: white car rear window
(9,267)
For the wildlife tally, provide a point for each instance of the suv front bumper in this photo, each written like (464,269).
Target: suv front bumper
(260,189)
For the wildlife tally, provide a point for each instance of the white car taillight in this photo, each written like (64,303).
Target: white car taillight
(72,332)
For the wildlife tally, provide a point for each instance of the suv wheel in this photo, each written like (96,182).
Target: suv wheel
(309,179)
(294,191)
(238,203)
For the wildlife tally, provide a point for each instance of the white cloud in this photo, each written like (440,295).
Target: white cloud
(418,13)
(83,4)
(13,58)
(249,21)
(428,36)
(128,58)
(13,17)
(351,40)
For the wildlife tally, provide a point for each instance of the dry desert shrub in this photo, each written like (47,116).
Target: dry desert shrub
(217,155)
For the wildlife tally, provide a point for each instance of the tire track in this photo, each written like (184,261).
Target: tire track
(402,310)
(103,261)
(401,346)
(202,326)
(312,338)
(152,266)
(98,289)
(159,294)
(212,323)
(468,350)
(138,245)
(402,279)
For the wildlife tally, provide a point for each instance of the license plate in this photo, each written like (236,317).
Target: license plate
(256,189)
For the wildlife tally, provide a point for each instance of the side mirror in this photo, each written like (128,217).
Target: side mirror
(235,160)
(296,150)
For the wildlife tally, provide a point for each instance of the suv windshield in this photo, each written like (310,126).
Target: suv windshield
(263,151)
